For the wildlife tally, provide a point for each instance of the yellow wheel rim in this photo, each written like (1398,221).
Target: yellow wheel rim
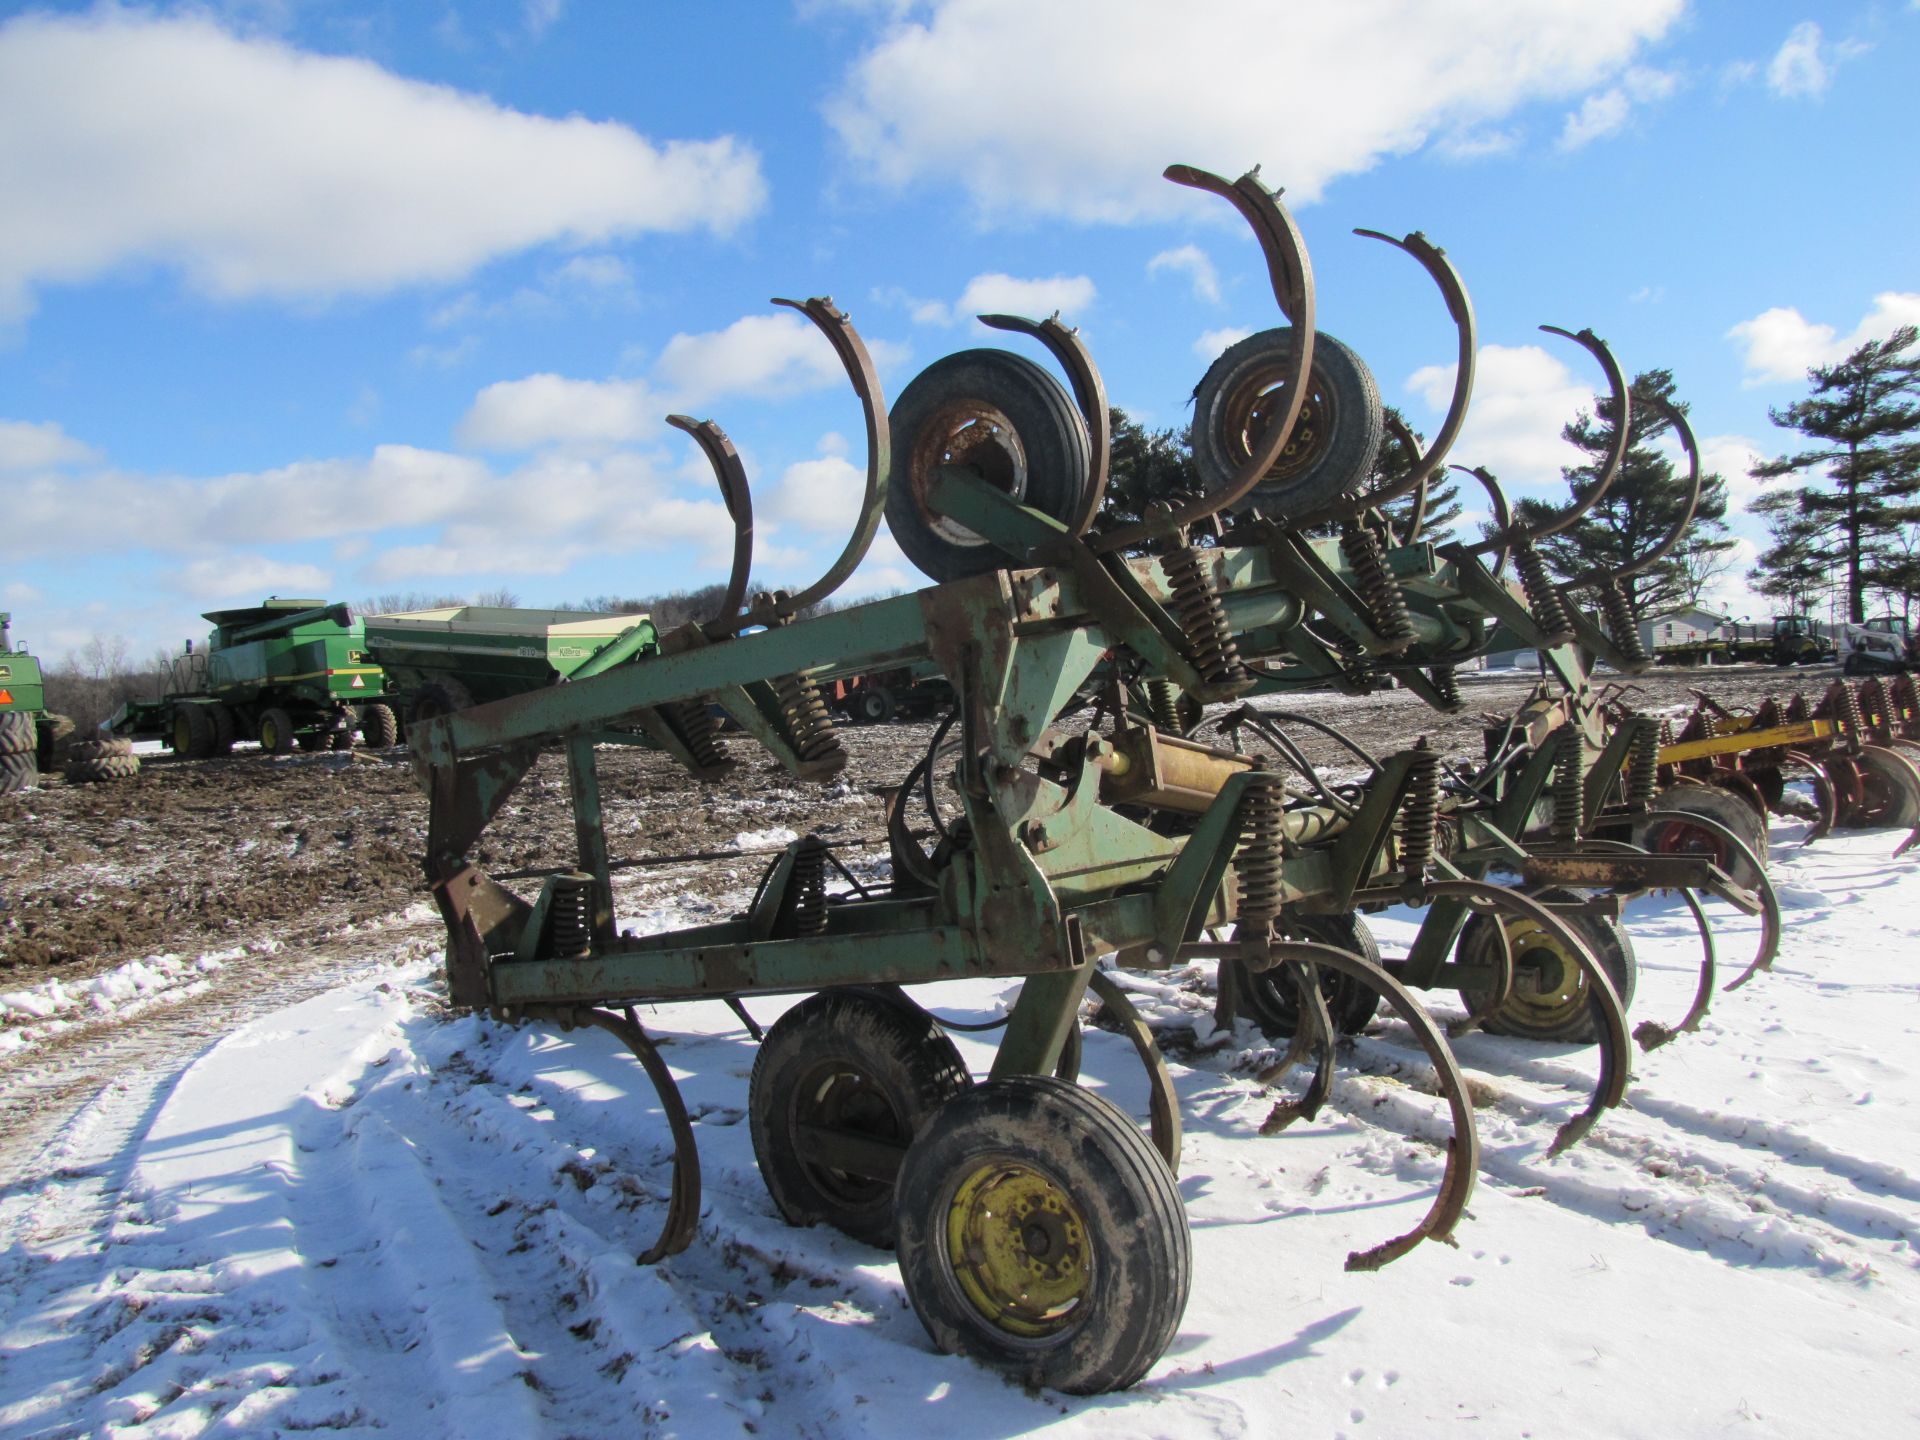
(1019,1249)
(1548,981)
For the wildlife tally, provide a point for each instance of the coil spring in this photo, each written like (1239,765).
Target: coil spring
(805,709)
(570,916)
(1621,626)
(1203,618)
(807,888)
(1873,703)
(1446,686)
(1643,762)
(1355,665)
(1420,810)
(1850,716)
(1569,798)
(1798,710)
(1543,596)
(701,733)
(1666,730)
(1257,861)
(1163,705)
(1381,591)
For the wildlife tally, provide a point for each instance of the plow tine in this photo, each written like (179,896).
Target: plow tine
(1292,276)
(1163,1101)
(1824,796)
(1497,993)
(1089,393)
(1315,1036)
(738,496)
(1502,514)
(1417,520)
(846,342)
(1673,415)
(1651,1034)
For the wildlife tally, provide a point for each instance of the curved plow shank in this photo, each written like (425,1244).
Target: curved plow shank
(1497,994)
(1292,276)
(738,496)
(1672,415)
(1315,1037)
(1163,1102)
(1502,516)
(1768,897)
(1460,306)
(846,342)
(1616,1051)
(683,1206)
(1463,1154)
(1825,795)
(1089,393)
(1651,1034)
(1417,519)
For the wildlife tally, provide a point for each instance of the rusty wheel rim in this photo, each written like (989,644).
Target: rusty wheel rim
(968,432)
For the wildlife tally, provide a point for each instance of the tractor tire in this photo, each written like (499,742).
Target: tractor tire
(1269,999)
(341,739)
(439,697)
(876,705)
(19,770)
(855,1063)
(105,767)
(1711,802)
(106,748)
(1042,1234)
(1560,1009)
(192,732)
(225,727)
(1334,444)
(314,740)
(1002,414)
(52,732)
(276,731)
(18,734)
(379,727)
(1891,789)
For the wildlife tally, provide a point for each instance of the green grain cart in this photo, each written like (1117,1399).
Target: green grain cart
(283,672)
(26,737)
(439,661)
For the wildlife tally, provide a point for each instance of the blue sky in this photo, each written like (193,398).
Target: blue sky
(342,299)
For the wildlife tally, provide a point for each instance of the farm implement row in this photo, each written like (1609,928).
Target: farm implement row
(1115,786)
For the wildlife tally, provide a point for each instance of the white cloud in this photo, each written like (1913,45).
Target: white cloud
(1001,294)
(1478,142)
(1731,457)
(1598,116)
(1797,69)
(259,170)
(234,576)
(1213,343)
(1782,344)
(1191,261)
(30,445)
(974,92)
(820,496)
(541,15)
(551,409)
(18,592)
(1522,396)
(779,354)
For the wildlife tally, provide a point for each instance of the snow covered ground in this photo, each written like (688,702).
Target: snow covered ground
(358,1216)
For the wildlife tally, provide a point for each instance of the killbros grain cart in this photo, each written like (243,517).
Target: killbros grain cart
(283,672)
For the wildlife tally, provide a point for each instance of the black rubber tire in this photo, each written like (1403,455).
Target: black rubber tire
(276,731)
(19,770)
(1330,454)
(1892,791)
(225,728)
(1134,1276)
(107,748)
(17,733)
(379,727)
(1040,455)
(314,740)
(1712,802)
(106,767)
(192,732)
(853,1061)
(1574,1020)
(1268,997)
(876,705)
(439,697)
(341,739)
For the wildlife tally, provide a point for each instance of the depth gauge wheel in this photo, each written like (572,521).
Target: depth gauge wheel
(1710,802)
(1007,419)
(1890,790)
(841,1085)
(1335,440)
(1270,1000)
(1551,994)
(1042,1234)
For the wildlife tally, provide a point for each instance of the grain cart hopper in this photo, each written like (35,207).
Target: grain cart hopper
(1038,1229)
(283,672)
(446,659)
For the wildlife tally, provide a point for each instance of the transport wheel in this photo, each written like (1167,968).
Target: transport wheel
(225,727)
(1042,1234)
(1676,837)
(1269,999)
(1890,789)
(276,731)
(876,705)
(17,733)
(1001,414)
(379,727)
(1334,443)
(1550,992)
(19,770)
(439,697)
(841,1085)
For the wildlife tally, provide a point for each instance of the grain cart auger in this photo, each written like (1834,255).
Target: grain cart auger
(1038,1228)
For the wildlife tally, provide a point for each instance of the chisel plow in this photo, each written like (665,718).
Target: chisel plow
(1070,816)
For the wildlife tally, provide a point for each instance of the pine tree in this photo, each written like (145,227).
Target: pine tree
(1865,414)
(1144,466)
(1798,568)
(1638,509)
